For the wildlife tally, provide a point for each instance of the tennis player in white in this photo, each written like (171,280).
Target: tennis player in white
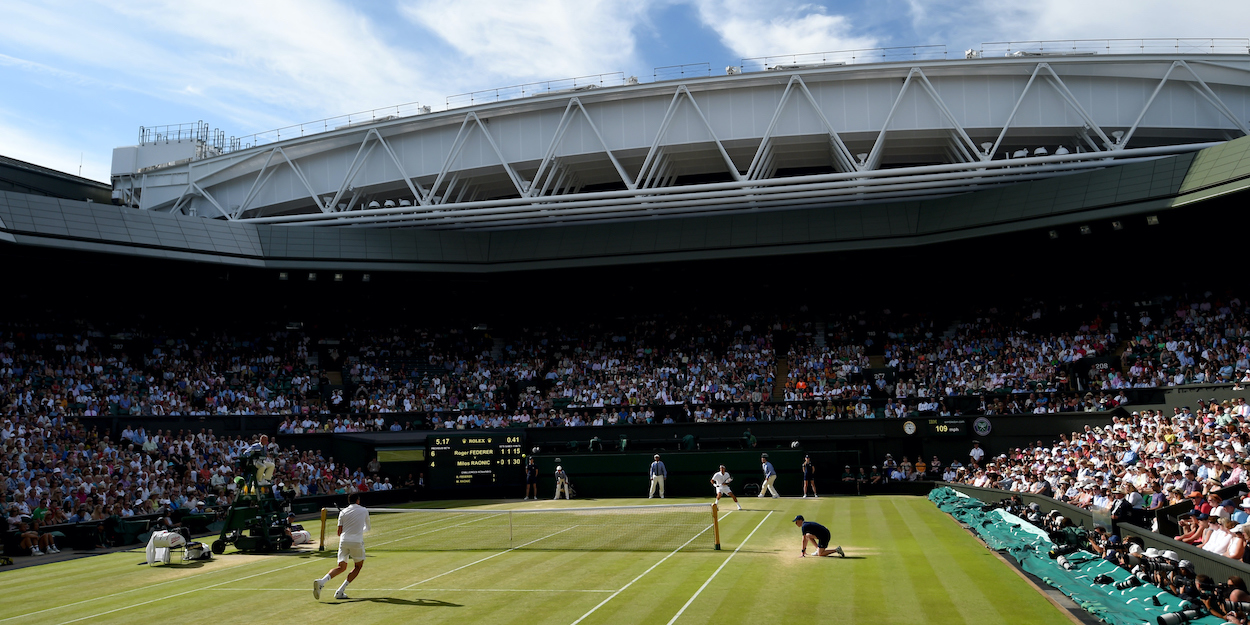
(721,480)
(353,523)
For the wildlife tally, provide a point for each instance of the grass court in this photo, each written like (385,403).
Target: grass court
(907,563)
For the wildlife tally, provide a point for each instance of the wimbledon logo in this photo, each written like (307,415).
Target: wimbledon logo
(982,426)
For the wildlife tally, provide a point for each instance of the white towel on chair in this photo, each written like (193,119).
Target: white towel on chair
(160,544)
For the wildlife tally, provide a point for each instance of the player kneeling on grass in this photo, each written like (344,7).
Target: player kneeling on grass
(818,535)
(353,523)
(296,532)
(721,481)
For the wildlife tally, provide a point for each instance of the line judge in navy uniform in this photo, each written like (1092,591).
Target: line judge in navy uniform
(658,475)
(531,480)
(818,535)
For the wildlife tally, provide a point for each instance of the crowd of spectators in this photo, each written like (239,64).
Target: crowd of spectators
(1138,465)
(714,367)
(56,470)
(85,372)
(1205,341)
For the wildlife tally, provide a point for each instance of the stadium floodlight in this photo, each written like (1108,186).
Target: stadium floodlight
(1119,135)
(1061,150)
(1022,153)
(1054,234)
(631,81)
(1152,220)
(733,70)
(389,204)
(1086,230)
(985,147)
(364,278)
(282,275)
(1115,225)
(1040,152)
(374,204)
(405,202)
(312,276)
(338,277)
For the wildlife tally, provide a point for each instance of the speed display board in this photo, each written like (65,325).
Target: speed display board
(474,460)
(948,427)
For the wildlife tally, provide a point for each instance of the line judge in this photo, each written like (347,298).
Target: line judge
(658,475)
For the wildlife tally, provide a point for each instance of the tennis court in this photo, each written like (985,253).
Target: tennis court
(907,563)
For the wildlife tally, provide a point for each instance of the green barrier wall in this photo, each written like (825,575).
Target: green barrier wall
(1028,546)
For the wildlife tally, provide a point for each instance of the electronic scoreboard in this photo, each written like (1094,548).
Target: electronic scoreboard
(478,460)
(948,427)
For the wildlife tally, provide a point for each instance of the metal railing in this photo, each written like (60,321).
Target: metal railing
(844,57)
(325,125)
(527,90)
(173,133)
(678,72)
(1065,47)
(216,138)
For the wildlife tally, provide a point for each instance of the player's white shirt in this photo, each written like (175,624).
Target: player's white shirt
(722,480)
(354,520)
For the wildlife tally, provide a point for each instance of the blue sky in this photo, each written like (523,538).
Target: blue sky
(79,78)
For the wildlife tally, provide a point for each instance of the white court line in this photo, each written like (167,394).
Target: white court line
(172,581)
(375,545)
(231,581)
(644,573)
(493,555)
(722,565)
(419,589)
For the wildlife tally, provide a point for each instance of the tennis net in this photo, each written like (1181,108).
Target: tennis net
(616,528)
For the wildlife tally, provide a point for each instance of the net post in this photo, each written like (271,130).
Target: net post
(716,526)
(322,546)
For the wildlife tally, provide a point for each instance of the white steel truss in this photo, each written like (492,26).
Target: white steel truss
(764,155)
(655,166)
(649,182)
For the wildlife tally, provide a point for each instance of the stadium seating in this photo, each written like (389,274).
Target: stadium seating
(568,373)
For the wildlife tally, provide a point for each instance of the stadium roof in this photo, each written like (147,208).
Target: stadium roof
(22,177)
(1118,191)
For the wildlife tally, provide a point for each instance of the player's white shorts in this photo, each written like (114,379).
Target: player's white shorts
(355,551)
(724,490)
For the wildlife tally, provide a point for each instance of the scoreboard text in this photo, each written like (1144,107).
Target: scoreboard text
(483,460)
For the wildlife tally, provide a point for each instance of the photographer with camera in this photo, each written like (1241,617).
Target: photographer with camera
(1182,581)
(1229,601)
(1163,569)
(1098,541)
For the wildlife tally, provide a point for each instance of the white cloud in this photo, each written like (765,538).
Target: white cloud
(1118,19)
(252,61)
(968,23)
(41,149)
(541,39)
(755,29)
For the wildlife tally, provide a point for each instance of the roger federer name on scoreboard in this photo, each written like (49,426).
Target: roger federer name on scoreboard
(473,452)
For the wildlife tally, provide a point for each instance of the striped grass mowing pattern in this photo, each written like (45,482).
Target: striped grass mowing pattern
(908,563)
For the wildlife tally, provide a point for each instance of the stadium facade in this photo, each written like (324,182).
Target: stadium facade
(841,151)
